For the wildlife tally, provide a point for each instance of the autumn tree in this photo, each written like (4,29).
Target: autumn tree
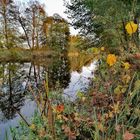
(78,43)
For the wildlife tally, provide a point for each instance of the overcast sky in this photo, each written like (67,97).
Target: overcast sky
(55,6)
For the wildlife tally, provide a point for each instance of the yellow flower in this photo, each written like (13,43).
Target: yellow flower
(131,27)
(126,65)
(111,59)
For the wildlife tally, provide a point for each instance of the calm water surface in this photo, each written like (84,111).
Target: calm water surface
(15,79)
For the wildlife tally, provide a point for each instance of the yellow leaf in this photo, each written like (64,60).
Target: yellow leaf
(126,79)
(115,108)
(117,90)
(100,127)
(59,117)
(110,114)
(123,90)
(102,48)
(111,59)
(126,65)
(95,50)
(131,27)
(32,126)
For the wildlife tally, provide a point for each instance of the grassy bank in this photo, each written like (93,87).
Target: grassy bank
(23,55)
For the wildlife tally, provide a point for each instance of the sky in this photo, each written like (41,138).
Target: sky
(55,6)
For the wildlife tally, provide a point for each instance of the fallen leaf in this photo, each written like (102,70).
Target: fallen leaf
(128,136)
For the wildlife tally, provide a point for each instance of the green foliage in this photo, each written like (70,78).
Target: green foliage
(104,19)
(57,33)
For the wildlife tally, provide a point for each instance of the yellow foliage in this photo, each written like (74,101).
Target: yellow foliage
(32,127)
(126,78)
(126,65)
(131,27)
(59,117)
(111,59)
(95,50)
(100,127)
(102,48)
(110,114)
(117,90)
(115,108)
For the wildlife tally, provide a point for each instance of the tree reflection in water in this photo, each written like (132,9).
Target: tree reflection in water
(15,79)
(59,73)
(10,98)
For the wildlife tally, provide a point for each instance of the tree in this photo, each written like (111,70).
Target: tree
(106,19)
(57,33)
(8,29)
(31,21)
(78,42)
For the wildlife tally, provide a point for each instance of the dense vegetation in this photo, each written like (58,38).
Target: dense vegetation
(110,110)
(26,26)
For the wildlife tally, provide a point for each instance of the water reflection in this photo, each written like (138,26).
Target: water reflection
(15,79)
(59,73)
(11,99)
(80,81)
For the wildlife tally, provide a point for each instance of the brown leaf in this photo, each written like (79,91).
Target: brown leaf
(136,56)
(71,135)
(128,136)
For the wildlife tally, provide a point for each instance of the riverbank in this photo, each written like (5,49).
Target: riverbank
(40,56)
(24,55)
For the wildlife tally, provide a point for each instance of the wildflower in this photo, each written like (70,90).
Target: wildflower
(131,27)
(111,59)
(126,65)
(60,108)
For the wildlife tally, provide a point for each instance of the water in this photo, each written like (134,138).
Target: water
(15,79)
